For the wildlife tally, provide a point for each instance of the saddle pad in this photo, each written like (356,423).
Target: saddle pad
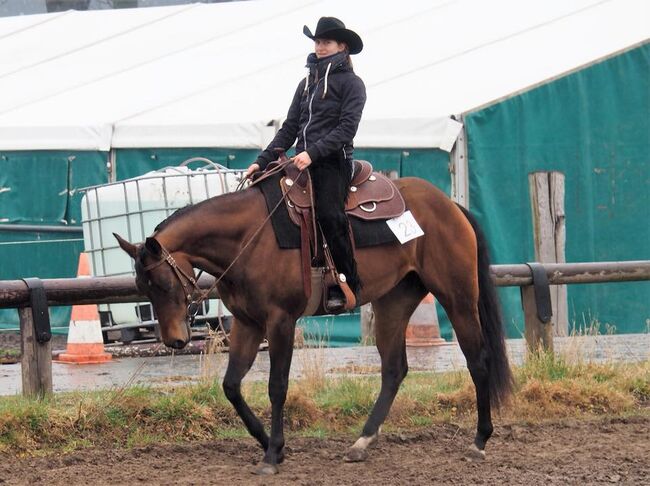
(366,233)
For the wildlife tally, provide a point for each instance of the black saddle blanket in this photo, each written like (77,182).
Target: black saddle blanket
(366,233)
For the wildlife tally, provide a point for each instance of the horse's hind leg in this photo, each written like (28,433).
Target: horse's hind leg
(465,319)
(392,312)
(245,339)
(459,295)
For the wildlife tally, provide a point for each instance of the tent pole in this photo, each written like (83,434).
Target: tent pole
(110,165)
(458,167)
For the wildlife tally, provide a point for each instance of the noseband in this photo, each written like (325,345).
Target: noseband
(184,279)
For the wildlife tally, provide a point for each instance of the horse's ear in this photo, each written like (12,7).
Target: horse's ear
(152,246)
(129,248)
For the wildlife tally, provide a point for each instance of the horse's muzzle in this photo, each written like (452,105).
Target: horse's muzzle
(178,344)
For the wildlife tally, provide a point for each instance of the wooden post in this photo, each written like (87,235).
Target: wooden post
(458,168)
(36,361)
(538,334)
(367,325)
(549,232)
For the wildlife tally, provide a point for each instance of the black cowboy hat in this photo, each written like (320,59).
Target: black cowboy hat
(332,28)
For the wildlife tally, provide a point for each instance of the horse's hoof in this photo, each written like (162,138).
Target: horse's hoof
(356,454)
(474,454)
(265,469)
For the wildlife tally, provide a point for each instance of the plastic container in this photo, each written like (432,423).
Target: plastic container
(133,208)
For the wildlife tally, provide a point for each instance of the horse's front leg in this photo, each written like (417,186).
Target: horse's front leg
(391,317)
(245,339)
(280,336)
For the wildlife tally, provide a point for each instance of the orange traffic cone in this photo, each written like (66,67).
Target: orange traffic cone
(85,342)
(423,328)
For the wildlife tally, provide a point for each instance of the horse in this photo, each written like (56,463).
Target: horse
(230,237)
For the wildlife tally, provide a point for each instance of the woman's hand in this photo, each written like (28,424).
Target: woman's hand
(254,167)
(302,160)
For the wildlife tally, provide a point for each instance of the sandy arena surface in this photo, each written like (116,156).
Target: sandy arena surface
(604,451)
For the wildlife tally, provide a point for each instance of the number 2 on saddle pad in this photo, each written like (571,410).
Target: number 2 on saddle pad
(405,227)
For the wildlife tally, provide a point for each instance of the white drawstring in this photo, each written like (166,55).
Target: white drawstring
(306,81)
(327,72)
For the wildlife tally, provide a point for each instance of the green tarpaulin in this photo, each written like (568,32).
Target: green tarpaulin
(593,126)
(41,188)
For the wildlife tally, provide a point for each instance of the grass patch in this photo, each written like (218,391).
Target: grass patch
(13,353)
(9,356)
(547,388)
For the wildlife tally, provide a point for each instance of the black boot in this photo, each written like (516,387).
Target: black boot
(335,300)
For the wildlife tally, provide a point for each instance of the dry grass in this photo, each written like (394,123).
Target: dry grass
(548,387)
(213,359)
(313,364)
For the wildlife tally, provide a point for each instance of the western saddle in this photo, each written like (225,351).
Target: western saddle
(372,196)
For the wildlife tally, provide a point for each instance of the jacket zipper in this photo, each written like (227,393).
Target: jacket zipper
(304,130)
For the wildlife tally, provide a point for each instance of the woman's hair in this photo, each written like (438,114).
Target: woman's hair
(348,57)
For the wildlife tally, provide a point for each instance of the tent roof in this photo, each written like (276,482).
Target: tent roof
(217,74)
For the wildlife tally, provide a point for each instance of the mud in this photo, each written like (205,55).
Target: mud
(603,451)
(10,346)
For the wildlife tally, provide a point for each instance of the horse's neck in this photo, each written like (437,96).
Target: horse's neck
(210,233)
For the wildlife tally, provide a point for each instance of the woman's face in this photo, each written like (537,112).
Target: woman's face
(327,47)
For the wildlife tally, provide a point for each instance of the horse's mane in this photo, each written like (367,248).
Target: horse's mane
(191,207)
(175,215)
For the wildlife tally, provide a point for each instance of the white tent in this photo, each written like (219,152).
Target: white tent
(218,75)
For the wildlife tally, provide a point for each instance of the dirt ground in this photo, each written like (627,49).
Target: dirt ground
(574,452)
(10,346)
(11,341)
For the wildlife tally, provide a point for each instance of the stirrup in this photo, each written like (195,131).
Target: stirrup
(335,303)
(340,297)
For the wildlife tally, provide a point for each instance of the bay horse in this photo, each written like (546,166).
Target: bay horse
(264,291)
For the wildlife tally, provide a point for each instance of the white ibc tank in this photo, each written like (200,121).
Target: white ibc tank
(133,208)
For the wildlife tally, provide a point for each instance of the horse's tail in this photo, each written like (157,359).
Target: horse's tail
(500,376)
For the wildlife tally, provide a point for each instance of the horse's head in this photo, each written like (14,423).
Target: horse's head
(165,280)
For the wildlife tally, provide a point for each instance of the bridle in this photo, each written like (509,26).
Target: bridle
(186,280)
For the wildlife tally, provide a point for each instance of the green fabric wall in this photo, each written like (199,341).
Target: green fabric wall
(135,162)
(41,187)
(594,126)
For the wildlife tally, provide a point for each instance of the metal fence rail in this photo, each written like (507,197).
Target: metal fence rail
(34,323)
(39,228)
(112,290)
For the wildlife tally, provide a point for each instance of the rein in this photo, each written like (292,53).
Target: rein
(184,278)
(266,174)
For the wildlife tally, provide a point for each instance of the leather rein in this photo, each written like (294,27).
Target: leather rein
(186,280)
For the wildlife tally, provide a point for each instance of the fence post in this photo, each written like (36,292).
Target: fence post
(549,234)
(538,333)
(367,325)
(36,360)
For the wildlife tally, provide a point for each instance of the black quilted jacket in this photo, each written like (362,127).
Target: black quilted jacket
(325,115)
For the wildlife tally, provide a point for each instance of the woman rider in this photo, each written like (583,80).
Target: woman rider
(324,116)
